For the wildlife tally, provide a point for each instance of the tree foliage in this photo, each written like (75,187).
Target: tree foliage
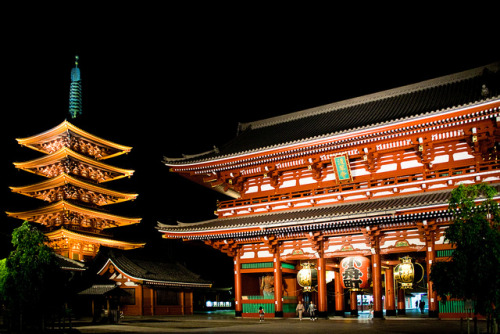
(473,272)
(32,284)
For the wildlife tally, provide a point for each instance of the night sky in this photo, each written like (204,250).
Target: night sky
(167,90)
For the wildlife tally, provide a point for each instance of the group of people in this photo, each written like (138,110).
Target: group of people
(311,309)
(420,305)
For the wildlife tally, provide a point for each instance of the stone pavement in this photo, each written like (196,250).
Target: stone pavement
(227,323)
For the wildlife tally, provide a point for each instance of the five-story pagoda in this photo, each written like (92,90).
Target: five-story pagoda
(74,221)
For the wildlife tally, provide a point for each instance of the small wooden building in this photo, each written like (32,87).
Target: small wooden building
(151,286)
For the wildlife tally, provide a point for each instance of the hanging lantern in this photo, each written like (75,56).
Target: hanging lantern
(355,271)
(404,273)
(307,277)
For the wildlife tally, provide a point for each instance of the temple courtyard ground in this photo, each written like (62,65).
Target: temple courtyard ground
(227,323)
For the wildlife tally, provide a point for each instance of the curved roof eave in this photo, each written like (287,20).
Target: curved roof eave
(214,156)
(67,126)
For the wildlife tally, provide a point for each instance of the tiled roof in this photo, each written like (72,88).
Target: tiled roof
(430,96)
(160,271)
(100,290)
(337,212)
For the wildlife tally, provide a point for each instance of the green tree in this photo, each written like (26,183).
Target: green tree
(32,284)
(474,268)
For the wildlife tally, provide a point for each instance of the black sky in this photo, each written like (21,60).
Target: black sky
(171,88)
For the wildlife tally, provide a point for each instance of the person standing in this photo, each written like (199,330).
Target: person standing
(261,314)
(422,306)
(312,310)
(300,309)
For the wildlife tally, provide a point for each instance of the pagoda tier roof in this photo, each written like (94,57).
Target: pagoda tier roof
(411,102)
(63,233)
(63,213)
(98,195)
(141,268)
(337,216)
(46,142)
(95,170)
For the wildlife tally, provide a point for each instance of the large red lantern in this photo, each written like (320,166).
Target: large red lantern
(355,272)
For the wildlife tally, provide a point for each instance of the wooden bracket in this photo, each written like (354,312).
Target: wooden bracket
(272,242)
(227,246)
(316,240)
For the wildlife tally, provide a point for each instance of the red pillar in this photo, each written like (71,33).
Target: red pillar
(141,298)
(322,297)
(401,302)
(181,298)
(377,285)
(431,294)
(278,286)
(354,303)
(339,295)
(390,307)
(237,285)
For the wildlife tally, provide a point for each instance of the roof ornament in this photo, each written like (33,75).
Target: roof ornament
(485,91)
(75,92)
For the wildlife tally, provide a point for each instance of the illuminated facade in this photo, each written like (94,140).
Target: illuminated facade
(368,176)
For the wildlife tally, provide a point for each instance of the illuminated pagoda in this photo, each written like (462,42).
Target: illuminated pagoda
(368,178)
(73,219)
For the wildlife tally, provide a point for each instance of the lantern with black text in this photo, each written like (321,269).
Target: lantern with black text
(307,277)
(355,272)
(404,273)
(407,273)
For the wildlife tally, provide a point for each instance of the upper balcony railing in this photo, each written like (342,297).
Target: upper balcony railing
(387,184)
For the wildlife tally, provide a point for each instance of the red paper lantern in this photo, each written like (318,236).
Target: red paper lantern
(355,272)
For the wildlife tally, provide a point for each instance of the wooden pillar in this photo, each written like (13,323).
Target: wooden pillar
(431,294)
(322,294)
(339,295)
(181,298)
(237,285)
(377,284)
(152,296)
(94,316)
(278,286)
(188,302)
(354,303)
(401,302)
(390,307)
(141,298)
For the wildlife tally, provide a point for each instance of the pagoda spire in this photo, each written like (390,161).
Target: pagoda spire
(75,92)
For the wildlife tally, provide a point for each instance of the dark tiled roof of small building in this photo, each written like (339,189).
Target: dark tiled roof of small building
(137,265)
(100,290)
(430,96)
